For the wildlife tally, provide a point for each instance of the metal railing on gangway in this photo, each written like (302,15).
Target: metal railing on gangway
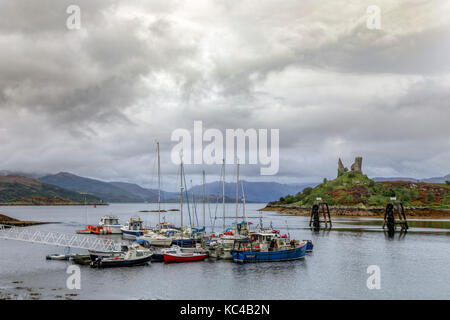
(56,239)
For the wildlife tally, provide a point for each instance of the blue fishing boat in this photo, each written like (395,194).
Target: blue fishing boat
(267,247)
(309,246)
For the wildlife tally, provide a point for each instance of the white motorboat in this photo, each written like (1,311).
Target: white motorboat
(133,229)
(156,239)
(134,256)
(110,224)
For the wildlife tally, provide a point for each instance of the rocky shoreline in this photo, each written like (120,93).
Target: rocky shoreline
(18,223)
(27,204)
(429,213)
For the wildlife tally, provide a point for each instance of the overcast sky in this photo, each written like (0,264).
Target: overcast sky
(94,101)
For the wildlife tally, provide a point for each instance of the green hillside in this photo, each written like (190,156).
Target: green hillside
(356,189)
(16,189)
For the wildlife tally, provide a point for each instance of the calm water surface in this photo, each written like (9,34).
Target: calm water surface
(414,266)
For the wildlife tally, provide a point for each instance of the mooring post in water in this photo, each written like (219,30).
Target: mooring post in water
(389,217)
(326,211)
(316,210)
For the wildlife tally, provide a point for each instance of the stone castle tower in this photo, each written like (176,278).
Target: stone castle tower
(355,167)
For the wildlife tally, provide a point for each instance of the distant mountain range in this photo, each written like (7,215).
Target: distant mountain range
(254,191)
(428,180)
(129,192)
(20,189)
(71,187)
(107,191)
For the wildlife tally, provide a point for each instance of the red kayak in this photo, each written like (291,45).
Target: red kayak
(183,257)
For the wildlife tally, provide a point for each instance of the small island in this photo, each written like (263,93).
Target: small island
(5,220)
(353,194)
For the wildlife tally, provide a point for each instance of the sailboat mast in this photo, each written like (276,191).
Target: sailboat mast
(159,186)
(204,199)
(237,190)
(181,192)
(86,207)
(243,202)
(223,194)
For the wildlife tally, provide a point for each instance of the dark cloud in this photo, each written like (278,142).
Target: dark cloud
(94,101)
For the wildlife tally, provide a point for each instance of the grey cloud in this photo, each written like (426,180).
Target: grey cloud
(95,101)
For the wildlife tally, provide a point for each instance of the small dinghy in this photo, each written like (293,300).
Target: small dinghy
(82,259)
(56,256)
(177,255)
(135,256)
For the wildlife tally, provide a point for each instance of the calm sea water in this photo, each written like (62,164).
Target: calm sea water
(414,266)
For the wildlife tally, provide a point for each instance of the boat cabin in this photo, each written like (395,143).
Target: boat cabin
(259,241)
(135,224)
(242,228)
(109,220)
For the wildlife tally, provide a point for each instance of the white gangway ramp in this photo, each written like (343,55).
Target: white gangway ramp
(56,239)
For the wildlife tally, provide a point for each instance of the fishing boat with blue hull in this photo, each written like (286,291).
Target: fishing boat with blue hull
(295,253)
(268,247)
(309,246)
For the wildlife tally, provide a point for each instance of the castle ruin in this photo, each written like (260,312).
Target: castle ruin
(355,167)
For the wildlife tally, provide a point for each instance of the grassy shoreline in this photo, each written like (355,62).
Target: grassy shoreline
(374,212)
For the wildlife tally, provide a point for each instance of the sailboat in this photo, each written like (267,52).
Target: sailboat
(154,237)
(183,237)
(221,248)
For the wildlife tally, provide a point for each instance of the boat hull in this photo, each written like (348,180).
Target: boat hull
(163,243)
(95,254)
(183,242)
(171,258)
(58,257)
(131,234)
(112,229)
(220,253)
(309,246)
(83,259)
(158,257)
(110,263)
(270,256)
